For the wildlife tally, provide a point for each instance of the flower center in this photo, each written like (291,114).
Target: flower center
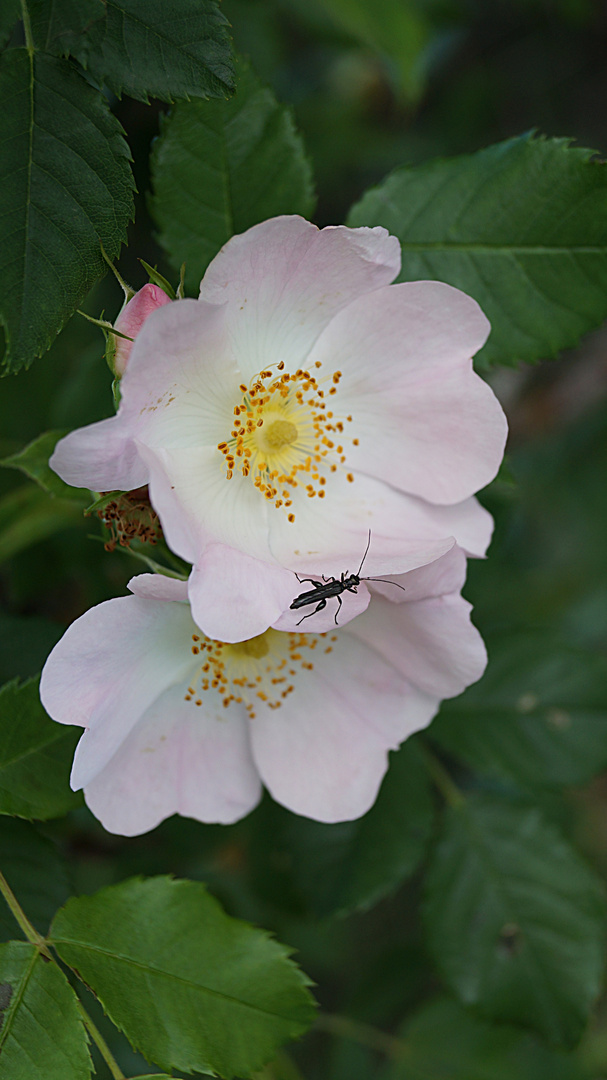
(284,436)
(260,671)
(278,433)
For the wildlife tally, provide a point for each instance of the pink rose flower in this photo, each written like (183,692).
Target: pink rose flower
(178,723)
(299,402)
(132,318)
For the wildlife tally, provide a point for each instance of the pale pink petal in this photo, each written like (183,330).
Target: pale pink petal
(423,418)
(431,642)
(178,388)
(198,505)
(109,666)
(182,380)
(468,522)
(330,534)
(285,280)
(158,587)
(323,754)
(177,759)
(102,457)
(439,578)
(132,318)
(235,597)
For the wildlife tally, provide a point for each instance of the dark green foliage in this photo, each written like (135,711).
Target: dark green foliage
(10,10)
(515,919)
(445,1040)
(351,865)
(167,49)
(538,716)
(222,166)
(36,873)
(521,227)
(58,25)
(35,756)
(65,188)
(33,461)
(228,994)
(42,1035)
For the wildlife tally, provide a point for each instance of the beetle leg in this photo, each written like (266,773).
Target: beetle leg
(338,598)
(321,604)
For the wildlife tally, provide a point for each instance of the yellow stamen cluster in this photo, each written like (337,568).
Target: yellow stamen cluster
(283,435)
(258,671)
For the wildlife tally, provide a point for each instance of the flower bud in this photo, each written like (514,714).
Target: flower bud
(130,321)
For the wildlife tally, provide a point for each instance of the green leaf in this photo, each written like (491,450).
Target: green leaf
(33,461)
(354,864)
(227,993)
(168,49)
(58,25)
(222,166)
(35,756)
(157,279)
(42,1035)
(65,188)
(35,871)
(10,13)
(445,1040)
(515,919)
(27,515)
(538,716)
(521,227)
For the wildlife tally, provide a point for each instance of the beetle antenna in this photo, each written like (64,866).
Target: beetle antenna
(387,581)
(365,555)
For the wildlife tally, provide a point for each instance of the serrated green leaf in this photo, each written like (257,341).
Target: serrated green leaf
(10,12)
(36,873)
(538,716)
(35,756)
(227,993)
(222,166)
(353,864)
(521,227)
(445,1040)
(33,461)
(65,186)
(28,515)
(515,919)
(42,1035)
(58,25)
(168,49)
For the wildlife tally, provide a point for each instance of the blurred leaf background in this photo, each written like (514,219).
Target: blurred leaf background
(372,87)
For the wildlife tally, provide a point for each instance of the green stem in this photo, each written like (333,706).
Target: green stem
(39,941)
(27,26)
(100,1043)
(450,792)
(29,931)
(128,291)
(364,1034)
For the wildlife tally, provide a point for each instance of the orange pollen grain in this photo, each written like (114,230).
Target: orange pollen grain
(279,434)
(248,673)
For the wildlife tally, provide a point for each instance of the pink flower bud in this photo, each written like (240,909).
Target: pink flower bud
(132,318)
